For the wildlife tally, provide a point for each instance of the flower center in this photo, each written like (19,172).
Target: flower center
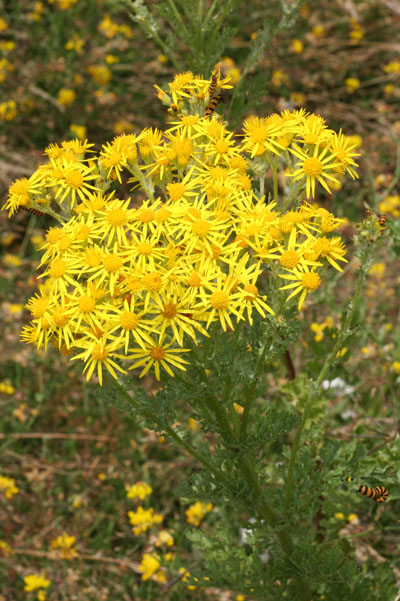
(60,317)
(312,167)
(169,310)
(145,248)
(128,320)
(58,268)
(194,280)
(311,280)
(146,215)
(116,216)
(112,263)
(74,179)
(86,303)
(289,259)
(219,300)
(252,290)
(190,119)
(157,353)
(99,353)
(221,146)
(176,191)
(201,227)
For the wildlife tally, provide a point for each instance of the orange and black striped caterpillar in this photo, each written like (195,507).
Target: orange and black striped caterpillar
(212,104)
(213,85)
(33,211)
(381,218)
(379,493)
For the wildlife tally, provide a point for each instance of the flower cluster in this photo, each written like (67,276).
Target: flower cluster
(196,512)
(7,487)
(64,546)
(138,279)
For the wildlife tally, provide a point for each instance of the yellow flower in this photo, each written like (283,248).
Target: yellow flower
(150,568)
(164,538)
(5,549)
(339,516)
(304,281)
(296,46)
(66,96)
(196,512)
(396,367)
(392,67)
(352,517)
(352,84)
(34,582)
(7,486)
(78,130)
(140,490)
(65,545)
(143,519)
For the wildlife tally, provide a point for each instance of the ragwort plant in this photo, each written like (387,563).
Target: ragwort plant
(199,280)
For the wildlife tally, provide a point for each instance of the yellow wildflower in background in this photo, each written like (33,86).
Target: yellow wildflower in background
(66,96)
(140,490)
(78,130)
(164,538)
(396,367)
(352,84)
(143,519)
(64,544)
(5,549)
(33,582)
(6,388)
(196,512)
(7,486)
(296,46)
(8,110)
(150,568)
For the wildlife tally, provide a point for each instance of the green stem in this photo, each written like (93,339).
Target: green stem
(275,181)
(173,434)
(178,18)
(265,509)
(262,186)
(250,396)
(145,184)
(315,385)
(199,31)
(209,13)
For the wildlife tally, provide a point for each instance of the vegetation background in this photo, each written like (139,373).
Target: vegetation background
(70,69)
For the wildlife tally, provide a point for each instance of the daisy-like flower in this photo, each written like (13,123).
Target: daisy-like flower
(184,189)
(219,302)
(98,353)
(175,314)
(304,281)
(291,254)
(111,223)
(158,355)
(73,181)
(186,125)
(220,150)
(260,136)
(128,324)
(343,149)
(250,294)
(314,168)
(22,191)
(331,249)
